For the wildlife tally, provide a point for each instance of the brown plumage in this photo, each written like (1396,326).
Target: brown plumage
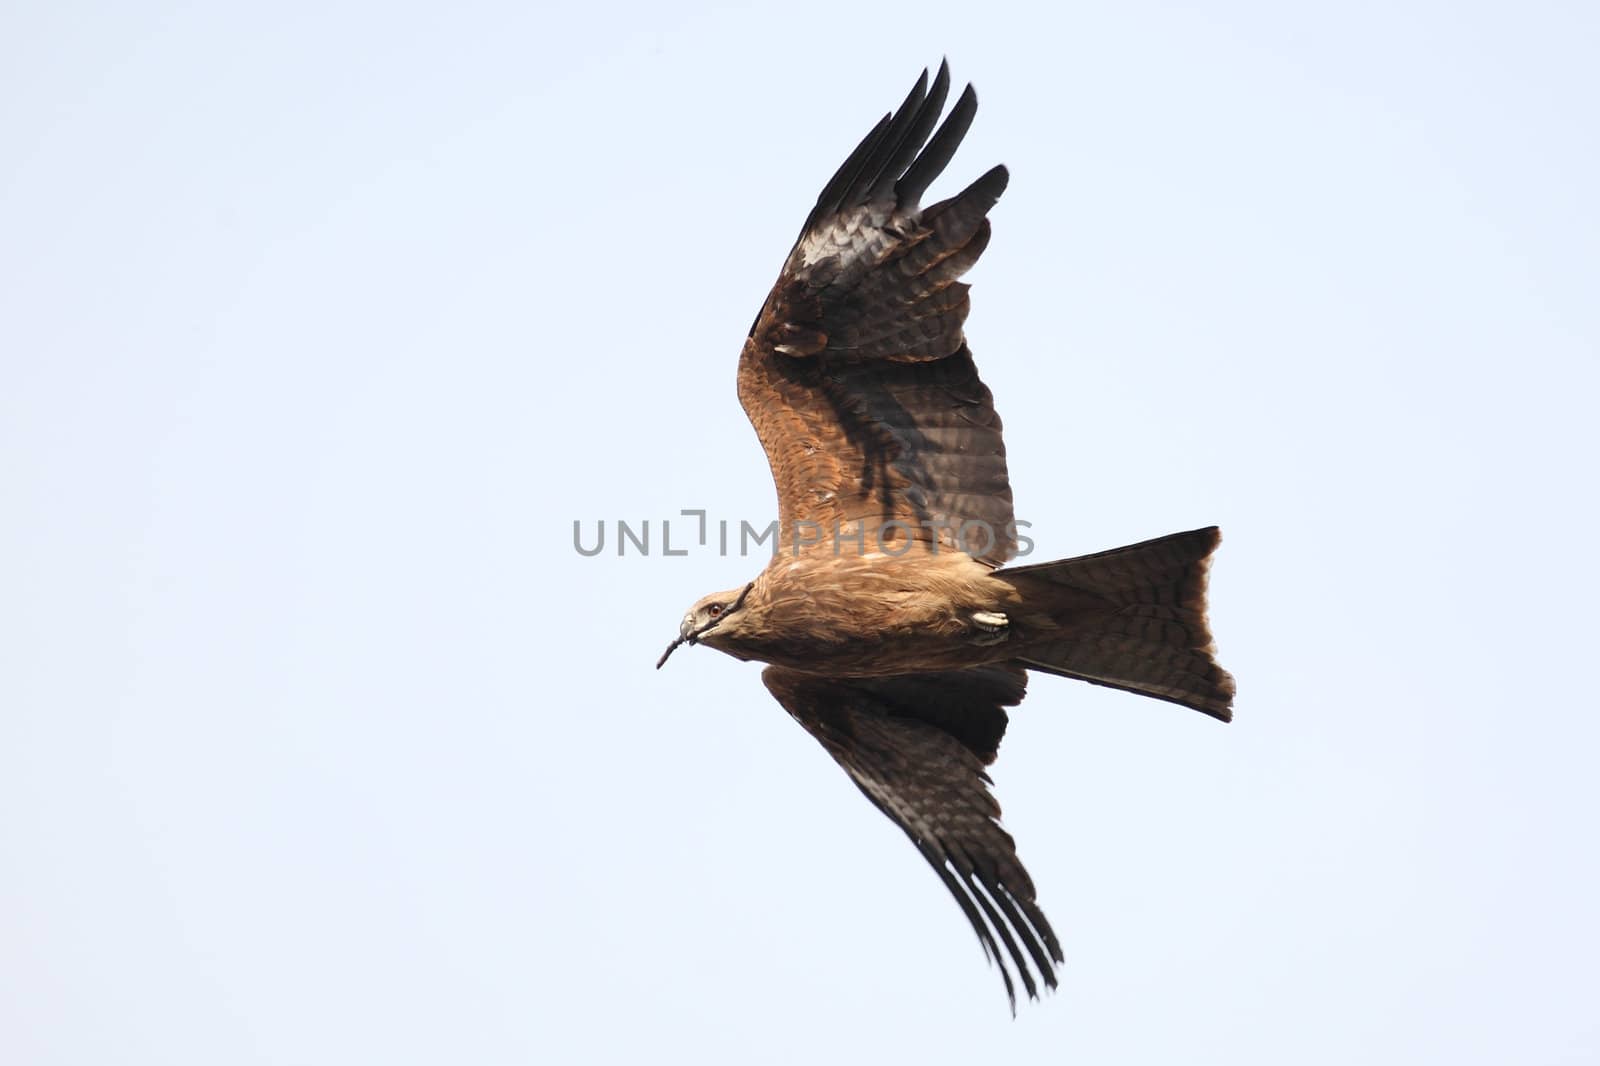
(895,634)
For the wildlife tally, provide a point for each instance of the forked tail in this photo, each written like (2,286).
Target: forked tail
(1132,618)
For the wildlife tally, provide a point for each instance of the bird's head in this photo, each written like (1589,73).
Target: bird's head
(708,615)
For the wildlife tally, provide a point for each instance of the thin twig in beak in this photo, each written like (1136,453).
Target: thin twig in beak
(670,649)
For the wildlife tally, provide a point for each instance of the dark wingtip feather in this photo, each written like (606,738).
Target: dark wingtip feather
(998,925)
(832,195)
(915,134)
(870,175)
(968,902)
(992,184)
(930,163)
(897,155)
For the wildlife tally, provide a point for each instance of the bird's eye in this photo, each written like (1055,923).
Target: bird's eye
(714,610)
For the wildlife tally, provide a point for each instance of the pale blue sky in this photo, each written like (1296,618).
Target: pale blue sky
(320,324)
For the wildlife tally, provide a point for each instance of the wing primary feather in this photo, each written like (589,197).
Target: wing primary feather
(1030,939)
(973,890)
(932,160)
(970,902)
(916,136)
(1041,928)
(964,898)
(829,199)
(998,925)
(976,199)
(990,894)
(870,176)
(961,882)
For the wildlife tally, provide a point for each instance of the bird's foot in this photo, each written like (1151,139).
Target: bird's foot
(992,626)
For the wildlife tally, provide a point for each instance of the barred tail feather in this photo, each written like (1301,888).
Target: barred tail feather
(1149,633)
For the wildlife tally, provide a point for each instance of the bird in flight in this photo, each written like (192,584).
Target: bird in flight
(894,632)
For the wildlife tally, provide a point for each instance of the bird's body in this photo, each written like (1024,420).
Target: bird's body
(895,633)
(870,615)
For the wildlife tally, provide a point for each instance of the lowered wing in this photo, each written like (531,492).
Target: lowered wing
(916,746)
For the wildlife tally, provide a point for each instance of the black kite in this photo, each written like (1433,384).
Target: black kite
(895,635)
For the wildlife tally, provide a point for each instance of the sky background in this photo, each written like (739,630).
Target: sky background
(320,325)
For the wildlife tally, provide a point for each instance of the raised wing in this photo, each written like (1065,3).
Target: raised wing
(856,373)
(916,746)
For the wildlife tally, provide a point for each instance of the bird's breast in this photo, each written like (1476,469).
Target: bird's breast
(867,617)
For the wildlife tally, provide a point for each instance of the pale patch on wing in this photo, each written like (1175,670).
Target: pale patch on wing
(856,235)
